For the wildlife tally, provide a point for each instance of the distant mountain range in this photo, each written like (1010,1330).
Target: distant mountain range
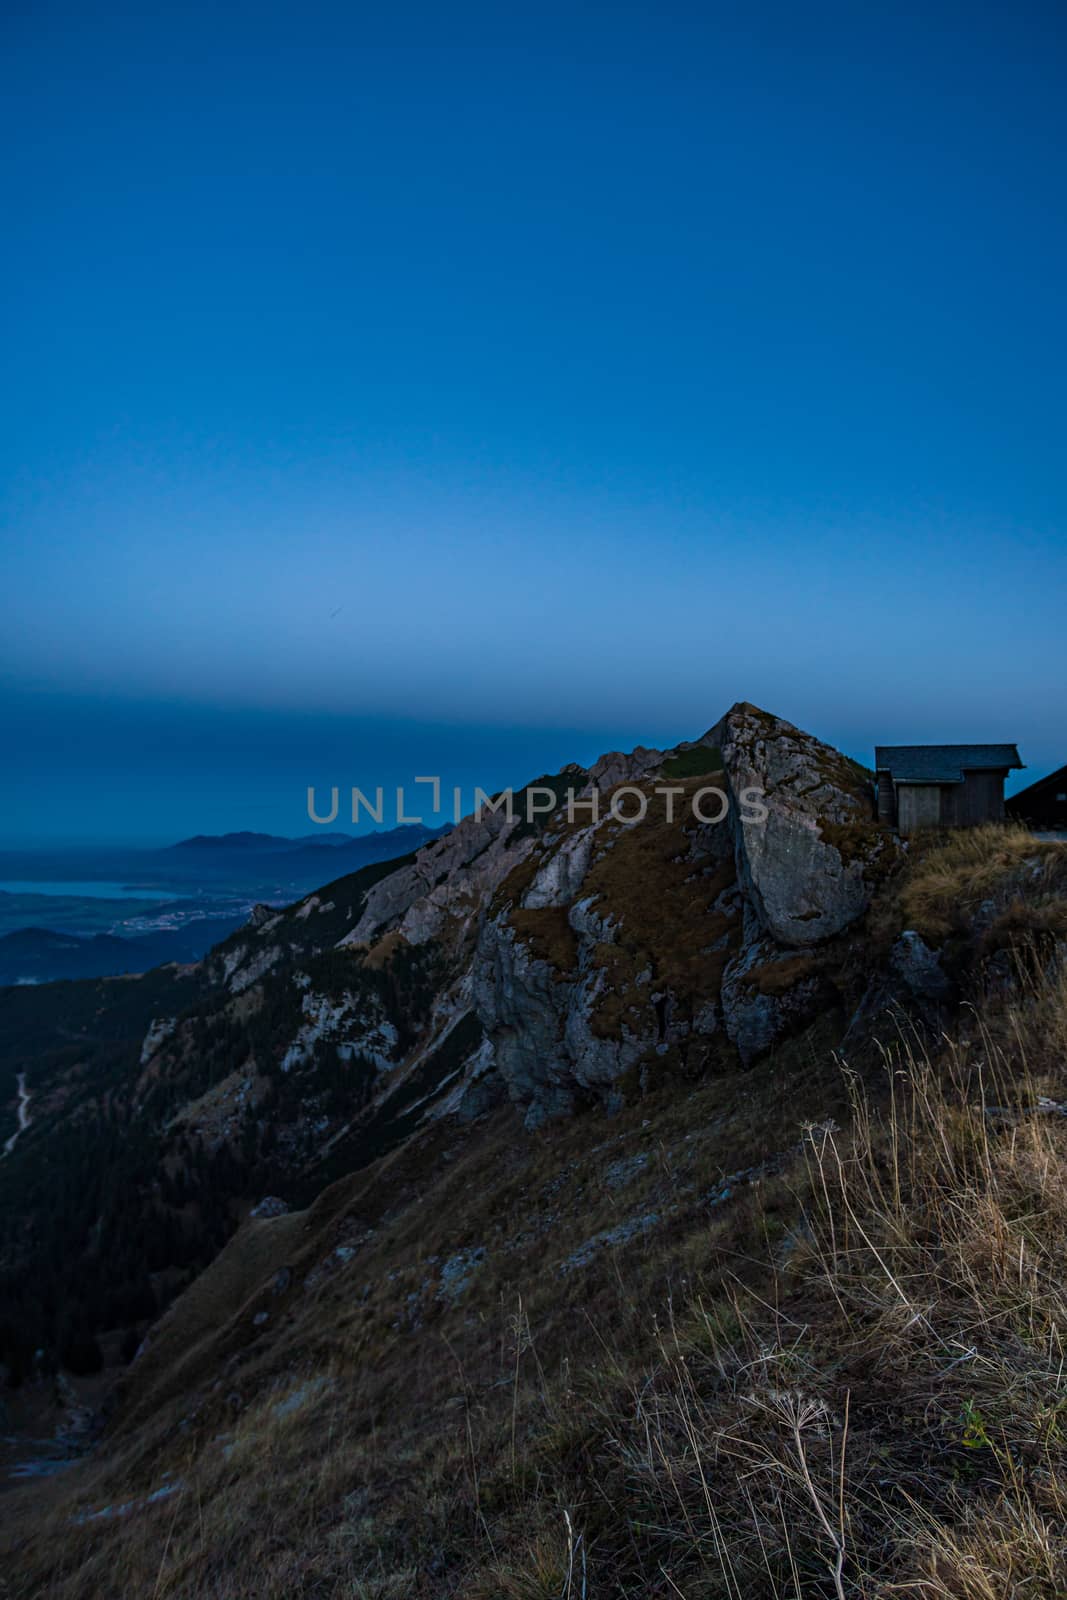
(219,876)
(259,864)
(40,955)
(272,853)
(274,865)
(273,842)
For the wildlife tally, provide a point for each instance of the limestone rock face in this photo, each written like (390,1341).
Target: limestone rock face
(445,883)
(540,1025)
(602,955)
(805,865)
(561,877)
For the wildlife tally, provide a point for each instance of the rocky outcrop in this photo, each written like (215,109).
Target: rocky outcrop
(593,952)
(619,766)
(602,955)
(808,846)
(539,1025)
(445,884)
(591,949)
(809,853)
(352,1024)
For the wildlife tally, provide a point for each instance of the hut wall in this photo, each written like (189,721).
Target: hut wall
(981,798)
(918,806)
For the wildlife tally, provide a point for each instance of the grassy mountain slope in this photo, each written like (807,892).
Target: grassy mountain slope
(784,1323)
(789,1331)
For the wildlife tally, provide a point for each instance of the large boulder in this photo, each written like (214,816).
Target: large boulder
(808,843)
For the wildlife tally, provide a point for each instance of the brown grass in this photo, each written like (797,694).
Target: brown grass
(661,902)
(957,874)
(380,954)
(659,898)
(549,935)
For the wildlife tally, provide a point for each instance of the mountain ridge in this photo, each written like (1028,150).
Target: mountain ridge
(554,963)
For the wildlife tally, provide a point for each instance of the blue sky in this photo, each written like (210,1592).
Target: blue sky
(484,387)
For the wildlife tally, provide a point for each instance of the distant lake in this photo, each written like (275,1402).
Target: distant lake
(85,891)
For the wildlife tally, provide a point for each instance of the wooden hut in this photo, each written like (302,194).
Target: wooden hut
(942,785)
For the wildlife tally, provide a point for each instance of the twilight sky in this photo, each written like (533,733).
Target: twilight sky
(470,388)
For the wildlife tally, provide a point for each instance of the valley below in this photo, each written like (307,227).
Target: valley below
(171,905)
